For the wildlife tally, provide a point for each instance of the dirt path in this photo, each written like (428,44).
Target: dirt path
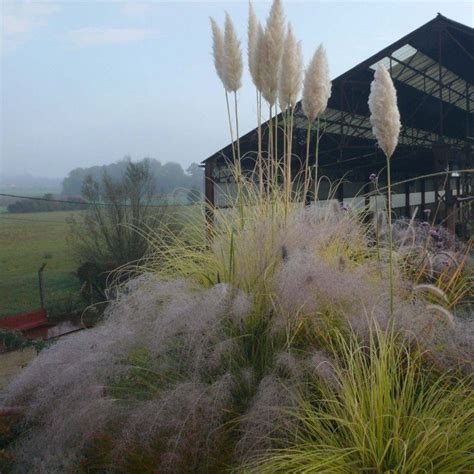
(11,363)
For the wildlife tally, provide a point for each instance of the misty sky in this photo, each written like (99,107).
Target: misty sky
(88,82)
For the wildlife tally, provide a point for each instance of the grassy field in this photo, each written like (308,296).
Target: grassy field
(26,242)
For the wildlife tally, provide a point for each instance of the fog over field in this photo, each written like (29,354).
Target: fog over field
(86,83)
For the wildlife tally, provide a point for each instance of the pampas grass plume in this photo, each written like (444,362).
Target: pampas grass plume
(232,57)
(317,85)
(385,117)
(218,50)
(253,39)
(291,71)
(259,52)
(271,52)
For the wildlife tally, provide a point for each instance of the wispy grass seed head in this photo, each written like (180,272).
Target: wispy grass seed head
(385,117)
(233,65)
(218,50)
(252,47)
(291,71)
(271,52)
(317,85)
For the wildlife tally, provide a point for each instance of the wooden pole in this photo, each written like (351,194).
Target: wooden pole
(41,284)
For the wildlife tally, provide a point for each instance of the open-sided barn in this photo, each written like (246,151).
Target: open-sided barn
(433,72)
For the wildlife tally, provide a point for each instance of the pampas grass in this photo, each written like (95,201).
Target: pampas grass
(229,67)
(316,93)
(290,79)
(317,85)
(385,120)
(271,52)
(218,51)
(252,46)
(233,66)
(291,71)
(384,114)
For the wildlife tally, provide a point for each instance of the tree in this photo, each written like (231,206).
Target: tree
(114,229)
(168,176)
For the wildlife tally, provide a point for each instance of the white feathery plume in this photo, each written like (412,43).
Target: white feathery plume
(253,27)
(384,114)
(291,71)
(259,51)
(271,51)
(317,85)
(232,57)
(218,50)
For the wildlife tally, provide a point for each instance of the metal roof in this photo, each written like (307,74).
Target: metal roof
(433,71)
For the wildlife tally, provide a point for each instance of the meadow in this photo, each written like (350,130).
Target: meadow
(26,242)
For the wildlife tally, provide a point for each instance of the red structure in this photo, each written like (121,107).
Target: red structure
(33,324)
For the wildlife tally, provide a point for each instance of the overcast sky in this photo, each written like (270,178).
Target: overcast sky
(88,82)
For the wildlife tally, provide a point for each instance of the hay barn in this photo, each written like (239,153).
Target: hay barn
(433,72)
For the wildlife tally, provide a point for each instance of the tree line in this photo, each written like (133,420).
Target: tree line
(169,177)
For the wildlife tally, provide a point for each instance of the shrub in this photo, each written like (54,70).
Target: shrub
(113,233)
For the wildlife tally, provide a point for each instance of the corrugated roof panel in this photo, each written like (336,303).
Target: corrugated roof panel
(427,78)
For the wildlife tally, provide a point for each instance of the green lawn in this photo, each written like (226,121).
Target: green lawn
(26,242)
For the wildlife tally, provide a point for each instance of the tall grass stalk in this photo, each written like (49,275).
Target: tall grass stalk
(390,233)
(231,128)
(316,162)
(385,120)
(306,166)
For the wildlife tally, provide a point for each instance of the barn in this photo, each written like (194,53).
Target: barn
(433,71)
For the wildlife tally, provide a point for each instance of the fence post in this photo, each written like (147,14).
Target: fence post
(41,285)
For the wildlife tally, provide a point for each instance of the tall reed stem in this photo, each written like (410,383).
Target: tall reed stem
(289,151)
(237,130)
(259,126)
(390,235)
(316,164)
(276,146)
(270,146)
(306,167)
(285,145)
(230,125)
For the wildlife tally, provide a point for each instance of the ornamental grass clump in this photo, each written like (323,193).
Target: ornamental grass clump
(277,340)
(384,414)
(204,372)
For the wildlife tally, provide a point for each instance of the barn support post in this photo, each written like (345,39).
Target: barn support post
(423,196)
(407,199)
(209,194)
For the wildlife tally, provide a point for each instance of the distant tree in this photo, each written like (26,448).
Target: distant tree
(168,176)
(113,231)
(196,175)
